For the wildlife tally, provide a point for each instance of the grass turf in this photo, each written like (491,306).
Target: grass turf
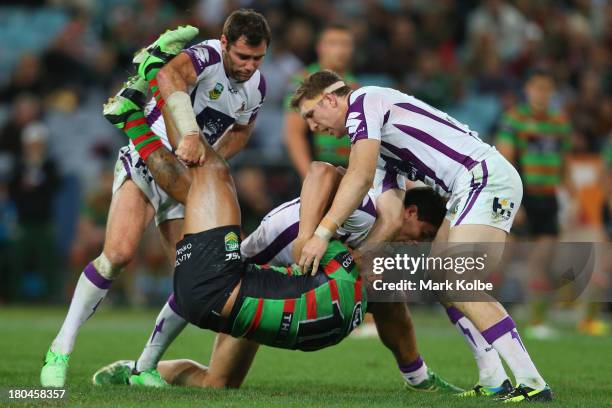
(357,372)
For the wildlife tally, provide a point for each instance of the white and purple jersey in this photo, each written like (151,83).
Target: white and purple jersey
(272,242)
(218,101)
(416,139)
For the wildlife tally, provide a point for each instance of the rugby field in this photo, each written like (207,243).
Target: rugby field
(358,372)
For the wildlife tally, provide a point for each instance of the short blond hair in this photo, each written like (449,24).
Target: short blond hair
(315,84)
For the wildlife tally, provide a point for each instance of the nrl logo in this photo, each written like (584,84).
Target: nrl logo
(231,242)
(215,93)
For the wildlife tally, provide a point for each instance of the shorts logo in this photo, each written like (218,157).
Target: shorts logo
(215,93)
(356,319)
(502,208)
(231,242)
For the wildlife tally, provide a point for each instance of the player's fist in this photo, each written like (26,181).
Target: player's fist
(191,150)
(312,252)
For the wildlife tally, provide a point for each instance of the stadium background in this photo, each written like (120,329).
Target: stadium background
(61,59)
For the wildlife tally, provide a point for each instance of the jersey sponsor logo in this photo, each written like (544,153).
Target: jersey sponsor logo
(215,93)
(231,242)
(502,209)
(213,123)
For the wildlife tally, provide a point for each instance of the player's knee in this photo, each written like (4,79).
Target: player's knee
(321,169)
(215,164)
(109,268)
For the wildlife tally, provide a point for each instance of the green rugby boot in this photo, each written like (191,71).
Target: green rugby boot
(130,99)
(148,378)
(484,391)
(53,373)
(434,383)
(524,393)
(117,373)
(163,49)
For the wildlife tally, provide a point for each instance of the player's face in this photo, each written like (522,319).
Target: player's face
(240,59)
(415,230)
(324,115)
(539,91)
(335,49)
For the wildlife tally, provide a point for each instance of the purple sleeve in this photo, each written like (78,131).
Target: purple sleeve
(362,125)
(202,56)
(262,91)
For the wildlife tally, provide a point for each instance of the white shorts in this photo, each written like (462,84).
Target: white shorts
(130,166)
(489,194)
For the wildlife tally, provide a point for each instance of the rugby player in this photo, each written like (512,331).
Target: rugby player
(394,132)
(272,243)
(226,91)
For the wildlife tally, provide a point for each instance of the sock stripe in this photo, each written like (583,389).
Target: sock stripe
(94,277)
(146,151)
(160,103)
(135,122)
(415,365)
(498,329)
(142,141)
(454,314)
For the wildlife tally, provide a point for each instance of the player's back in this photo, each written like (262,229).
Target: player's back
(272,242)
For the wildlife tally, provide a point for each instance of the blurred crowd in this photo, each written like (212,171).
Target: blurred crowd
(472,59)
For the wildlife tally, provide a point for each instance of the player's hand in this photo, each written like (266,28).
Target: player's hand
(312,252)
(191,150)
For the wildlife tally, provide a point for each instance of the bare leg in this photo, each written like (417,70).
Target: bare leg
(212,200)
(395,329)
(230,361)
(169,174)
(490,318)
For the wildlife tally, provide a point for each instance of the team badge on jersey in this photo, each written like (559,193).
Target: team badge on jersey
(231,242)
(215,93)
(502,208)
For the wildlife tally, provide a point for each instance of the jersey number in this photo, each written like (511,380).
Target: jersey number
(321,332)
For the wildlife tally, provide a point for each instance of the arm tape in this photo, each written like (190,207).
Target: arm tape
(179,104)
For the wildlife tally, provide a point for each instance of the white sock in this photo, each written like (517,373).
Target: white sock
(90,291)
(506,340)
(491,372)
(167,326)
(415,372)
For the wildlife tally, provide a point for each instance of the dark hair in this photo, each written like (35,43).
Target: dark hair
(539,72)
(315,83)
(431,207)
(249,23)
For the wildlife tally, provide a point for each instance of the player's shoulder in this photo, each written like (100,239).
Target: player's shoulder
(372,99)
(205,54)
(256,86)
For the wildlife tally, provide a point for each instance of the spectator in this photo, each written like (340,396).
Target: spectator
(32,189)
(537,139)
(334,51)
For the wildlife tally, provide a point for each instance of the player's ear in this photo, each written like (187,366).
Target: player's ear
(411,211)
(223,42)
(332,99)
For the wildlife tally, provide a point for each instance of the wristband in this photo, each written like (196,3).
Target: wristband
(179,104)
(323,233)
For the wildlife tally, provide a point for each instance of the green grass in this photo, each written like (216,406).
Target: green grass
(357,372)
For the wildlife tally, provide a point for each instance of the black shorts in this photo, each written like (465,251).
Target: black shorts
(208,267)
(542,214)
